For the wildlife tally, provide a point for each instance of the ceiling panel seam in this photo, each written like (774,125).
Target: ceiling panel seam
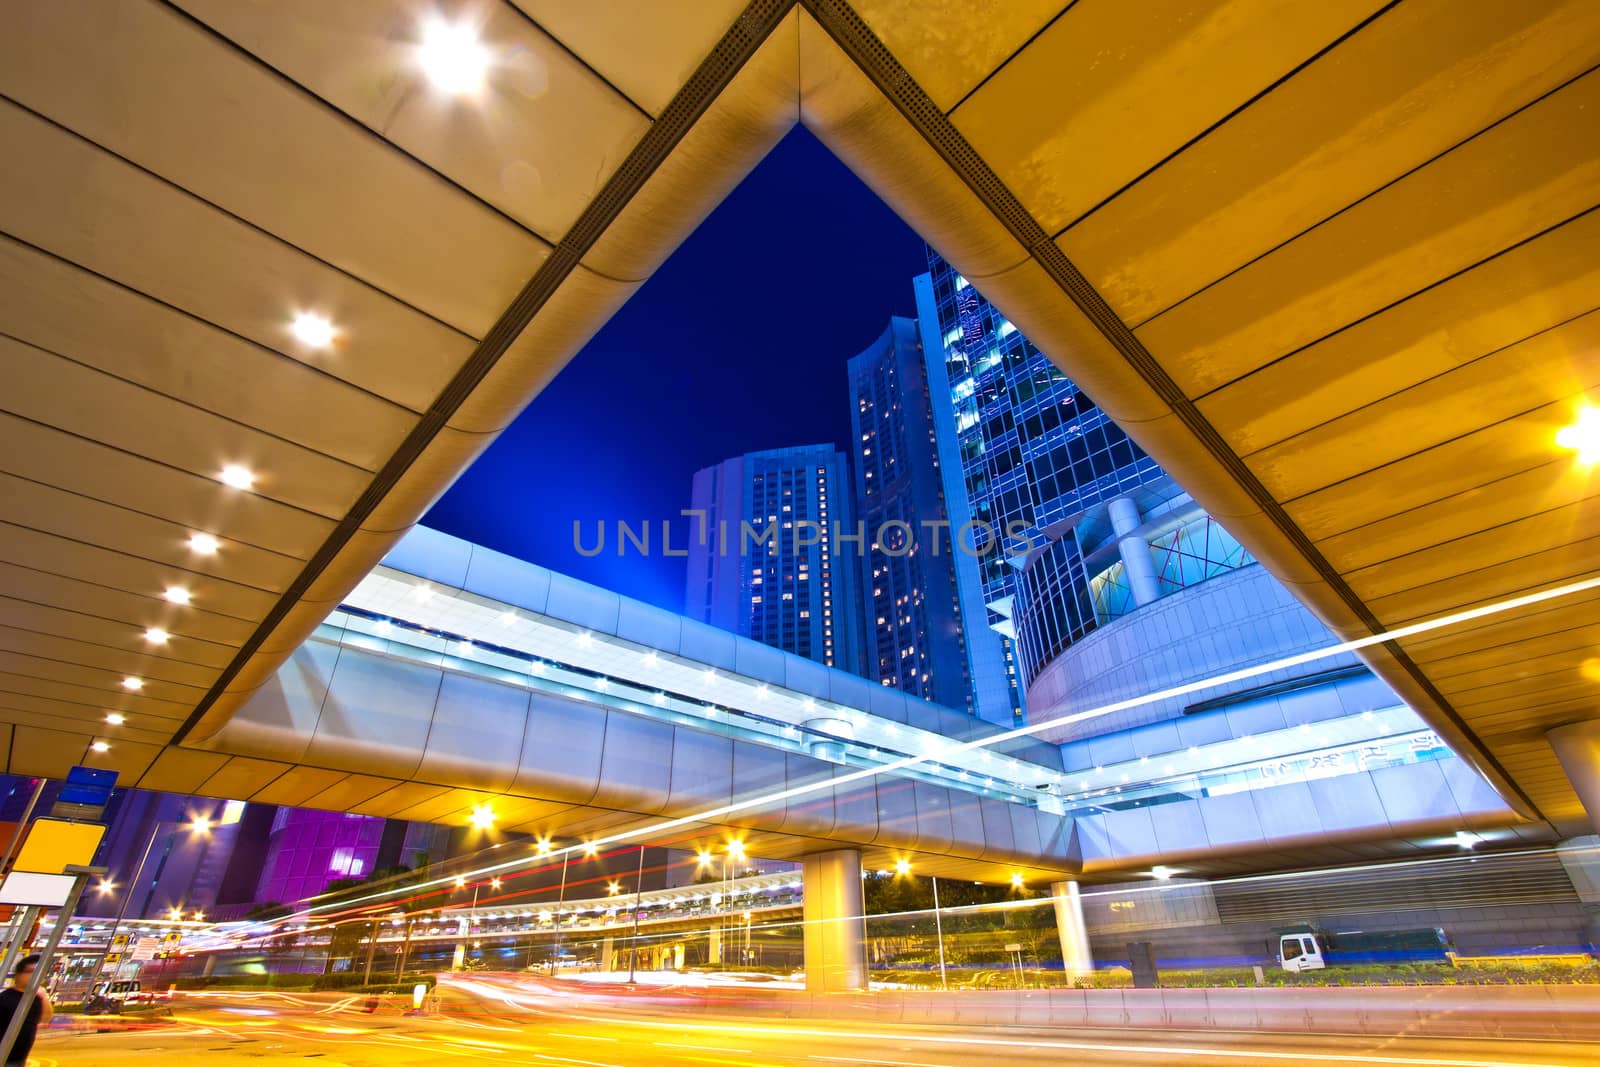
(852,34)
(1370,194)
(219,209)
(730,54)
(1225,119)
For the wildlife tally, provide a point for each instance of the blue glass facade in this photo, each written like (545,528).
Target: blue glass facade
(1034,458)
(913,628)
(765,559)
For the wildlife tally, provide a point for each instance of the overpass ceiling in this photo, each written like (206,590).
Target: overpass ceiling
(1331,264)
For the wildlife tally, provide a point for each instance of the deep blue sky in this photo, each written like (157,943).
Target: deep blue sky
(737,343)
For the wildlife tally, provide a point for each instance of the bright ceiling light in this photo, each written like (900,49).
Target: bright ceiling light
(543,846)
(902,866)
(452,57)
(1016,880)
(100,746)
(203,544)
(156,636)
(483,817)
(238,477)
(200,824)
(590,848)
(1161,872)
(613,888)
(494,883)
(115,718)
(1466,839)
(1583,436)
(312,330)
(133,683)
(177,594)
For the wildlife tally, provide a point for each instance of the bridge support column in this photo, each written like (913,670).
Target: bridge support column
(714,949)
(1577,747)
(835,931)
(1076,958)
(605,955)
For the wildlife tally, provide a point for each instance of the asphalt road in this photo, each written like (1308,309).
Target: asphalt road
(507,1021)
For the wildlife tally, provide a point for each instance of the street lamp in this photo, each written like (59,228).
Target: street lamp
(199,825)
(902,866)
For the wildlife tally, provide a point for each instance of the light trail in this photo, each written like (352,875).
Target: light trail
(713,814)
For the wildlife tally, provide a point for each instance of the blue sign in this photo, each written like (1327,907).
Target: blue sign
(89,786)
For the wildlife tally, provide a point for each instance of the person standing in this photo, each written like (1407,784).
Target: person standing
(39,1012)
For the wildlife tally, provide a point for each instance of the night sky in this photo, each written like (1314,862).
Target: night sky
(738,343)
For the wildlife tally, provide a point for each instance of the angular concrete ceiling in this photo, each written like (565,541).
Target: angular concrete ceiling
(1330,263)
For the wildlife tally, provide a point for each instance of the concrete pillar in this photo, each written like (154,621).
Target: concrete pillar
(835,931)
(605,954)
(833,751)
(1577,747)
(1138,566)
(714,950)
(1076,958)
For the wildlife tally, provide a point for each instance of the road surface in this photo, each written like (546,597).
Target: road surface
(517,1021)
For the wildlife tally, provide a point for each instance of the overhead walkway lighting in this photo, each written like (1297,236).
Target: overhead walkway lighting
(1583,436)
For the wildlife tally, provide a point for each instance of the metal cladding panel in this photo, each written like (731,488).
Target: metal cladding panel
(759,771)
(1413,792)
(1203,729)
(500,577)
(477,735)
(896,814)
(1057,839)
(761,662)
(851,691)
(1257,717)
(561,749)
(648,625)
(1178,826)
(278,719)
(635,763)
(810,814)
(888,703)
(1231,819)
(934,830)
(706,644)
(376,716)
(702,770)
(1473,795)
(1130,832)
(805,676)
(435,556)
(1288,810)
(966,822)
(856,805)
(582,604)
(1024,830)
(1349,802)
(1154,738)
(998,841)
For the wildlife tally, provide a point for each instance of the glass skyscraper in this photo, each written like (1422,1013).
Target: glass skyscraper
(764,555)
(913,618)
(1066,528)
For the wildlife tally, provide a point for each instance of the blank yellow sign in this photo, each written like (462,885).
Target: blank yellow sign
(53,844)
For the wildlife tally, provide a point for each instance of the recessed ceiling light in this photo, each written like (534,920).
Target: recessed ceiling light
(312,330)
(238,477)
(452,57)
(1583,436)
(204,544)
(131,682)
(177,594)
(156,636)
(100,746)
(1161,872)
(115,718)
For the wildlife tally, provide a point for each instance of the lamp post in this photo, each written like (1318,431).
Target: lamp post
(638,901)
(201,825)
(561,899)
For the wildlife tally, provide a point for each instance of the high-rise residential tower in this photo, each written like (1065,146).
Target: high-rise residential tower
(765,559)
(913,625)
